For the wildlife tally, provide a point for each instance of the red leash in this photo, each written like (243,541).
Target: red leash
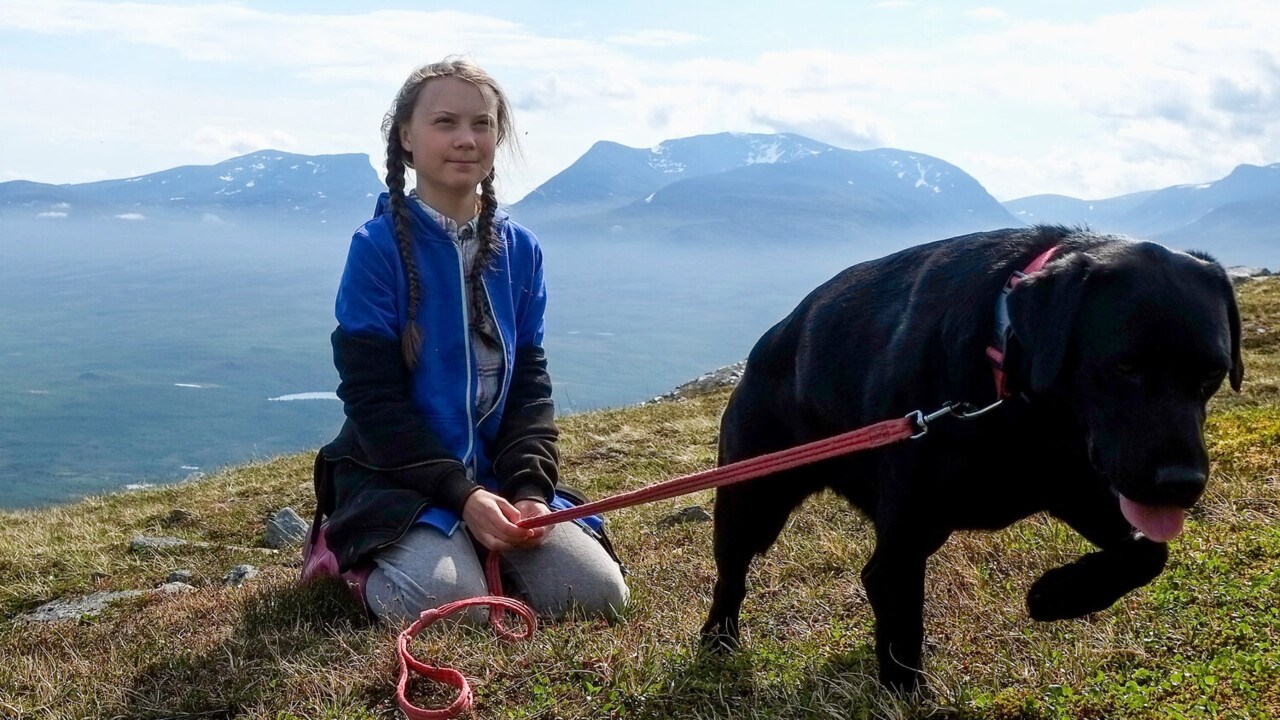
(872,436)
(445,675)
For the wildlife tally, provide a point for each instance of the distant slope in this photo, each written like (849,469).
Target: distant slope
(266,183)
(609,175)
(1175,207)
(1241,233)
(750,188)
(1065,210)
(878,196)
(1236,217)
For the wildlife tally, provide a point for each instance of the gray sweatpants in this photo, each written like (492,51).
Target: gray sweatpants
(569,570)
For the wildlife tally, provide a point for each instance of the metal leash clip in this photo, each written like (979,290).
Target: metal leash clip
(922,421)
(962,410)
(966,411)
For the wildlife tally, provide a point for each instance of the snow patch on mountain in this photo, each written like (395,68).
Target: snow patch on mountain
(778,150)
(922,175)
(659,160)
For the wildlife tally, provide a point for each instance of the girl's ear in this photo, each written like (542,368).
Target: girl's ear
(405,141)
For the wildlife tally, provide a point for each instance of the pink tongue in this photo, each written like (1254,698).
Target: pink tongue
(1160,523)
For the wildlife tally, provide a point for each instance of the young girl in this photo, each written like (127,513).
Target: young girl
(450,436)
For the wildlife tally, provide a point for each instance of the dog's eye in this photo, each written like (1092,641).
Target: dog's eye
(1125,370)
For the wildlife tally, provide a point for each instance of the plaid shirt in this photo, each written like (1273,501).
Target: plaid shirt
(488,359)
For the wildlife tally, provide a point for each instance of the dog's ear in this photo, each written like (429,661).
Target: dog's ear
(1042,313)
(1233,317)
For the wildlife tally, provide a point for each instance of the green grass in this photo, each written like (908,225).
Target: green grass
(1201,641)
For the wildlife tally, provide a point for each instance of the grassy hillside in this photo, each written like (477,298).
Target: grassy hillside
(1202,641)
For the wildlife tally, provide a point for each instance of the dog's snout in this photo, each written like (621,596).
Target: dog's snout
(1180,485)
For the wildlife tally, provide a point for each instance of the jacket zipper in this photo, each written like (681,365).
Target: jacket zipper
(502,394)
(469,457)
(502,343)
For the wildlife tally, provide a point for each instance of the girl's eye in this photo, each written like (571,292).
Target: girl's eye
(1125,370)
(444,121)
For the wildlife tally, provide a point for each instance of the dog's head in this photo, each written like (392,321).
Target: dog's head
(1135,339)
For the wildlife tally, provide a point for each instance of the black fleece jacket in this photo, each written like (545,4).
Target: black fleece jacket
(386,465)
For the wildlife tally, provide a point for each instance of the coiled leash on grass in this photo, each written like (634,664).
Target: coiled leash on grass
(886,432)
(446,675)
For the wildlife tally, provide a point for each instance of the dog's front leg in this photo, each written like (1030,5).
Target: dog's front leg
(1096,580)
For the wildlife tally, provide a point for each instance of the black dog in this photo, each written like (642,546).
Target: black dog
(1113,350)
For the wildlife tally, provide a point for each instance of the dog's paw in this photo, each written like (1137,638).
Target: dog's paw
(720,638)
(902,681)
(1062,593)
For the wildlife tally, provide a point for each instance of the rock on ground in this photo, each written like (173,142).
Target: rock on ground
(691,514)
(1240,274)
(285,528)
(144,542)
(238,574)
(727,376)
(76,608)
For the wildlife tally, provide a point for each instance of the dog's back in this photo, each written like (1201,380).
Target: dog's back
(903,321)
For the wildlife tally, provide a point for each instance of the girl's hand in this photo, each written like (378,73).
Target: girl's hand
(530,509)
(492,522)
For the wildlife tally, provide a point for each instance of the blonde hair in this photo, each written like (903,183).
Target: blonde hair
(398,159)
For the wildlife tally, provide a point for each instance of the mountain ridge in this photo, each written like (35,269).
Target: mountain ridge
(583,186)
(757,188)
(265,182)
(1237,215)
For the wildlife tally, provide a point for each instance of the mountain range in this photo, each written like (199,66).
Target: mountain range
(750,188)
(739,187)
(267,184)
(1236,217)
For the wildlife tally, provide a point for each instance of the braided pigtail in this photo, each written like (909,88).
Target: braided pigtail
(488,243)
(411,338)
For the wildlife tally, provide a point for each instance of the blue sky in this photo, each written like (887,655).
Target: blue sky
(1088,98)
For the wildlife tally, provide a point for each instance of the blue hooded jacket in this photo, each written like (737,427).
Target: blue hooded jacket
(412,447)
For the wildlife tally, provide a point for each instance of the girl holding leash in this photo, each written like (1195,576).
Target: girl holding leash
(450,437)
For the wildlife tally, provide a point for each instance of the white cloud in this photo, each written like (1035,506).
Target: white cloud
(52,214)
(828,120)
(550,91)
(987,13)
(130,216)
(654,38)
(224,142)
(381,45)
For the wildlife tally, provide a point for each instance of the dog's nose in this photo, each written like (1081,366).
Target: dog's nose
(1180,485)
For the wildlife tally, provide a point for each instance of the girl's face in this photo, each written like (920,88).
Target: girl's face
(452,134)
